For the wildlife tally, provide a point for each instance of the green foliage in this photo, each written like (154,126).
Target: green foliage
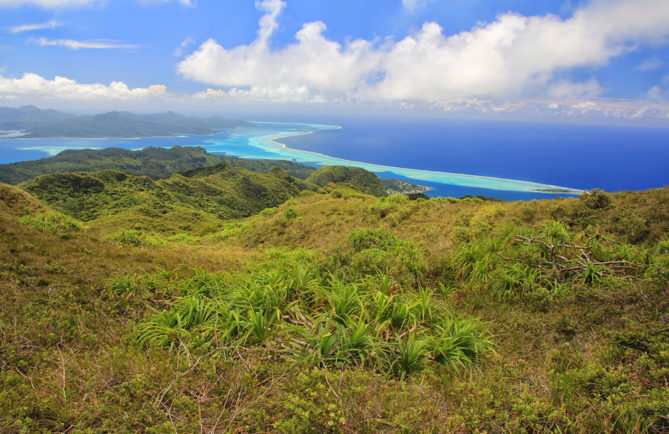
(364,181)
(368,238)
(229,230)
(327,322)
(135,238)
(116,200)
(595,199)
(53,222)
(397,207)
(412,356)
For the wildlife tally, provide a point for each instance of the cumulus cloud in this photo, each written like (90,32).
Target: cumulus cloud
(51,24)
(48,4)
(313,63)
(514,56)
(77,45)
(33,85)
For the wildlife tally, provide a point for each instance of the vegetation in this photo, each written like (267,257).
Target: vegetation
(114,200)
(329,311)
(362,180)
(153,162)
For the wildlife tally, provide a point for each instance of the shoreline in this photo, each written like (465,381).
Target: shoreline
(460,179)
(270,143)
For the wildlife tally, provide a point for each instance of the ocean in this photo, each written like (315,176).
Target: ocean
(499,159)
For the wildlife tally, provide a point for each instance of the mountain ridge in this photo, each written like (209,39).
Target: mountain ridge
(38,123)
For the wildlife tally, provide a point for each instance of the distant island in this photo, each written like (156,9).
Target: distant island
(33,122)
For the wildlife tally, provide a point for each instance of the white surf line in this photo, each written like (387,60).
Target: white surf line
(269,143)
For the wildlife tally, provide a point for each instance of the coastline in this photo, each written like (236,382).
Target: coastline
(241,144)
(270,143)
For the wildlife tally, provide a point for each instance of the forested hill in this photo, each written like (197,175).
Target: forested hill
(50,123)
(153,162)
(115,199)
(364,181)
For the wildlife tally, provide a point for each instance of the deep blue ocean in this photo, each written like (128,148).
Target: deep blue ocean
(575,156)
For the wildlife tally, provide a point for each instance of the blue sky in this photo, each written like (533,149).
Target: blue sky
(598,60)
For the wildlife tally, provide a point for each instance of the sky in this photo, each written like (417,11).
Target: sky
(577,60)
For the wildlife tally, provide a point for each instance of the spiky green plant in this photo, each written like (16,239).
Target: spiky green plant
(593,274)
(459,343)
(355,342)
(514,281)
(193,319)
(259,326)
(412,356)
(343,299)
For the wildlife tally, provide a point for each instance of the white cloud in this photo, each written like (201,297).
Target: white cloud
(51,24)
(513,56)
(48,4)
(650,64)
(179,51)
(413,5)
(659,92)
(187,3)
(33,85)
(77,45)
(565,89)
(314,63)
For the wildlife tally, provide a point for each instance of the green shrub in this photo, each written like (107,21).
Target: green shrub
(271,211)
(595,199)
(53,222)
(136,238)
(369,238)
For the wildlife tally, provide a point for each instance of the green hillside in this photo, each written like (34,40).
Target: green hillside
(114,199)
(152,162)
(334,311)
(363,180)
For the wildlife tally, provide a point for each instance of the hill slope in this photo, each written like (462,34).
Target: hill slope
(335,312)
(114,199)
(364,181)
